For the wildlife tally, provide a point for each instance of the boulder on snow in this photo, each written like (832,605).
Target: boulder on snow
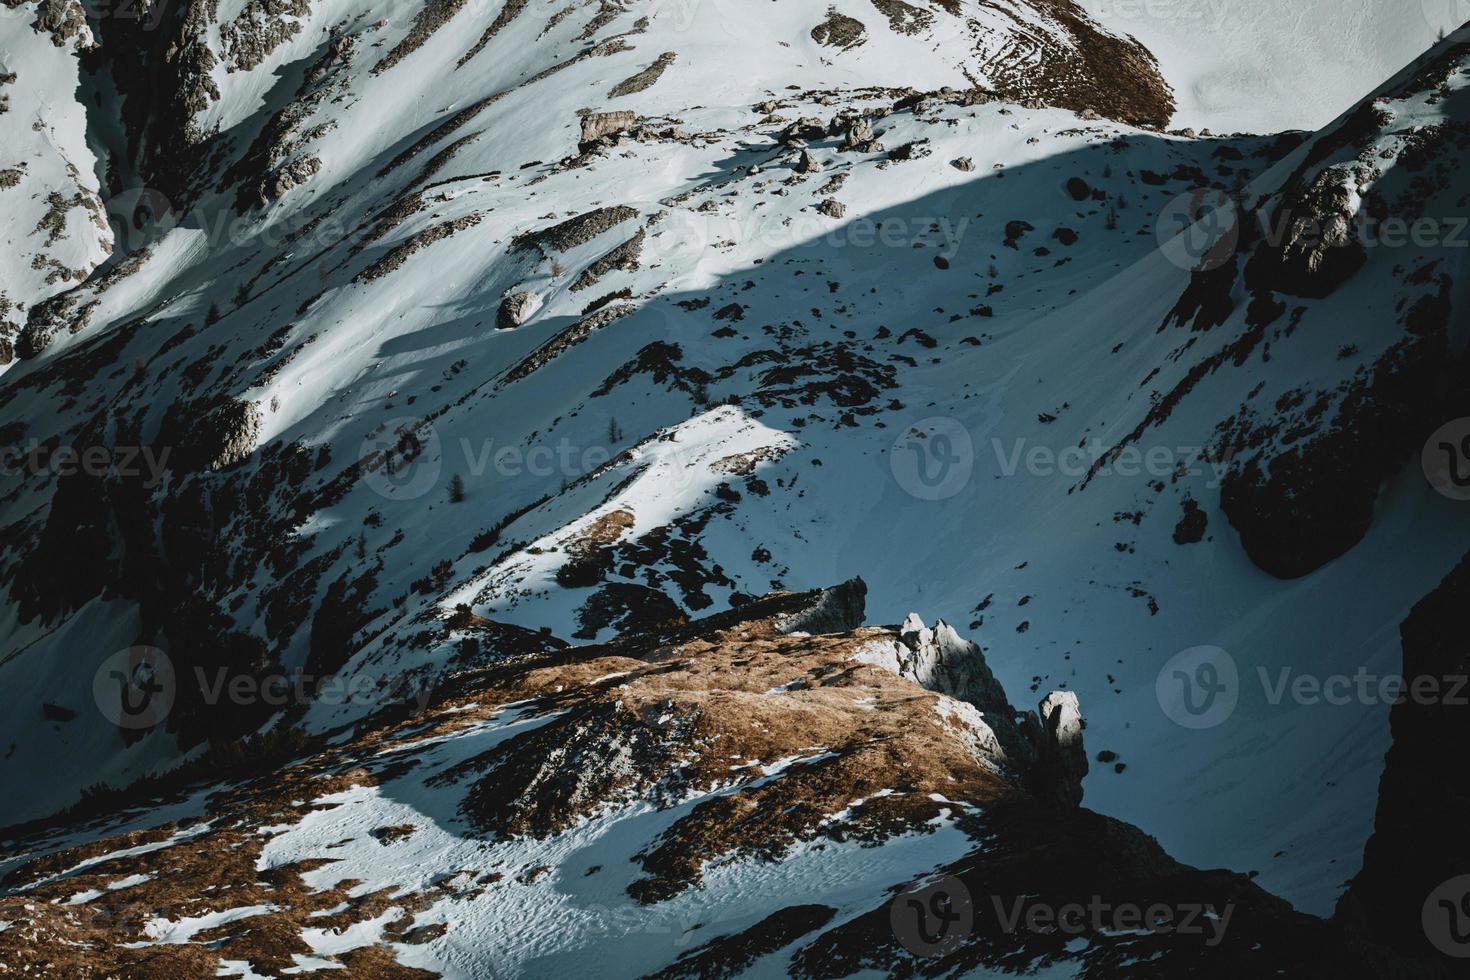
(805,128)
(832,208)
(516,309)
(860,137)
(834,610)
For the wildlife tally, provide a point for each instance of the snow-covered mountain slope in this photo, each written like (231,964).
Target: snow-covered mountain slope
(53,225)
(734,796)
(1261,66)
(478,328)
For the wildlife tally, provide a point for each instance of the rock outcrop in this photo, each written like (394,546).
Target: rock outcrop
(1319,245)
(1062,756)
(1418,844)
(516,309)
(1044,749)
(597,126)
(696,757)
(223,437)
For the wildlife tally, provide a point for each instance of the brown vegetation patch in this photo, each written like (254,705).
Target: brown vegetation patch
(1116,77)
(213,870)
(784,732)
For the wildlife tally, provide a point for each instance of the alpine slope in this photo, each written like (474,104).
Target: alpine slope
(429,431)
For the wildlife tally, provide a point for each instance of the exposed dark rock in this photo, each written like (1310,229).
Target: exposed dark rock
(508,13)
(1319,248)
(859,137)
(728,955)
(56,712)
(624,257)
(904,18)
(1191,527)
(1062,761)
(577,230)
(222,437)
(839,31)
(1418,840)
(1301,507)
(645,79)
(834,610)
(401,253)
(565,340)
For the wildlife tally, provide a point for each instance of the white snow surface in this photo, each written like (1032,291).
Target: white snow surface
(1261,66)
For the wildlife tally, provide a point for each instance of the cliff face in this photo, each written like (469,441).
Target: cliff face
(1416,866)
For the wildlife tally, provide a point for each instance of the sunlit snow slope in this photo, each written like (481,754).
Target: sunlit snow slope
(1262,66)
